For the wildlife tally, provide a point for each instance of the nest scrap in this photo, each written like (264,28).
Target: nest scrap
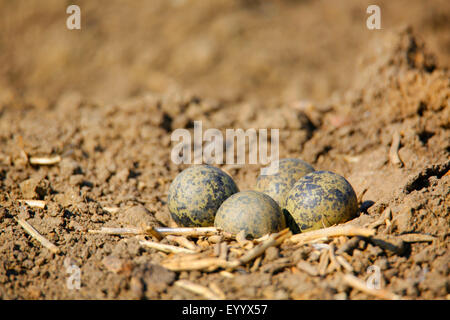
(210,250)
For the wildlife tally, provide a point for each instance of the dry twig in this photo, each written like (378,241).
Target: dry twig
(361,285)
(208,264)
(226,274)
(361,195)
(387,214)
(417,237)
(335,231)
(45,161)
(182,242)
(334,263)
(256,264)
(274,239)
(223,251)
(215,239)
(187,232)
(152,232)
(347,266)
(129,231)
(36,235)
(165,247)
(198,289)
(118,231)
(323,262)
(393,151)
(34,203)
(216,289)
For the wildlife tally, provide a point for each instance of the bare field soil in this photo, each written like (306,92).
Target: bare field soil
(107,98)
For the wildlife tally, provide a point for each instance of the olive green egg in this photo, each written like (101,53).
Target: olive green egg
(321,199)
(252,211)
(278,185)
(196,194)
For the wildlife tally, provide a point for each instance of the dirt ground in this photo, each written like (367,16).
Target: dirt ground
(106,99)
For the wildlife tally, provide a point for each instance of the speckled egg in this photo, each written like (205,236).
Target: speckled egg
(196,193)
(252,211)
(321,199)
(278,185)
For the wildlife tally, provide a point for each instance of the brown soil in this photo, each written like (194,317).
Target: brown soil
(107,98)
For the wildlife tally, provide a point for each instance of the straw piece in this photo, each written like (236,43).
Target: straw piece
(241,239)
(226,274)
(117,231)
(393,151)
(323,262)
(46,161)
(215,239)
(36,235)
(165,247)
(261,248)
(129,231)
(256,264)
(263,238)
(34,203)
(152,232)
(198,289)
(333,259)
(209,264)
(189,232)
(361,195)
(216,289)
(182,242)
(347,266)
(417,237)
(387,214)
(361,285)
(186,232)
(335,231)
(349,245)
(223,251)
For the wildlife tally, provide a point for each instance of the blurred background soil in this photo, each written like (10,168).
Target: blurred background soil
(107,97)
(264,50)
